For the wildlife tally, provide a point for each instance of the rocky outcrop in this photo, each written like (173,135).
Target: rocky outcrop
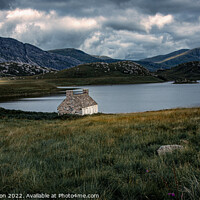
(129,67)
(22,69)
(168,149)
(124,67)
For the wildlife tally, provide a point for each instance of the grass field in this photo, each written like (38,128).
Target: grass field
(103,80)
(114,156)
(10,89)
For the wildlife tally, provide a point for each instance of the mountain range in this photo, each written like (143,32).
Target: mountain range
(82,56)
(171,60)
(13,51)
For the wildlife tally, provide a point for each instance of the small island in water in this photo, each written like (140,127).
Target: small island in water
(185,81)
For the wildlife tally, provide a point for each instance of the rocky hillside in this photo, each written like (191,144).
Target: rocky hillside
(14,51)
(22,69)
(190,70)
(124,67)
(101,69)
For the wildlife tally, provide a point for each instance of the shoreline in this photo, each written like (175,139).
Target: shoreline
(8,91)
(12,111)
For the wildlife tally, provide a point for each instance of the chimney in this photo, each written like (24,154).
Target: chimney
(85,91)
(69,93)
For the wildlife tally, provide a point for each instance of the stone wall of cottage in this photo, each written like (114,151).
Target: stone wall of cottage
(73,104)
(69,110)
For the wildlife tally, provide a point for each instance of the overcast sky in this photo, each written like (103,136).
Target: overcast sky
(131,29)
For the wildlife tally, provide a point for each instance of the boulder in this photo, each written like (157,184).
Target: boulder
(168,148)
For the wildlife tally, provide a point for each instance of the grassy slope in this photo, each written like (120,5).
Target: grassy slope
(90,71)
(23,88)
(89,74)
(103,80)
(102,154)
(190,70)
(173,57)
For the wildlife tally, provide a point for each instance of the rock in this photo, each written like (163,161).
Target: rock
(168,148)
(184,141)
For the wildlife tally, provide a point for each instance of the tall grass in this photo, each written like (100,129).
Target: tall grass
(114,156)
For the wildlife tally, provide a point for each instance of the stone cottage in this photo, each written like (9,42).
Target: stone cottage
(79,103)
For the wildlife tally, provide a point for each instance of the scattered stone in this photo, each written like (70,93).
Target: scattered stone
(184,141)
(168,148)
(22,69)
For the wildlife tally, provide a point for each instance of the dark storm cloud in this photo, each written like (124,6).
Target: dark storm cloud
(120,25)
(6,4)
(118,28)
(79,7)
(163,6)
(64,7)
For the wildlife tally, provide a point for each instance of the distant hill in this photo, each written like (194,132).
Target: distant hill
(163,58)
(190,70)
(172,59)
(82,56)
(22,69)
(122,68)
(12,50)
(153,66)
(123,72)
(188,56)
(75,53)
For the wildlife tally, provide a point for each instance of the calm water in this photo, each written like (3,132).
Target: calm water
(121,98)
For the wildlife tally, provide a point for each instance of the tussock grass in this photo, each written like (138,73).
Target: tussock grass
(114,156)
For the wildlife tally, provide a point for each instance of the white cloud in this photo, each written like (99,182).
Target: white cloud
(119,44)
(185,29)
(24,14)
(32,26)
(158,20)
(110,31)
